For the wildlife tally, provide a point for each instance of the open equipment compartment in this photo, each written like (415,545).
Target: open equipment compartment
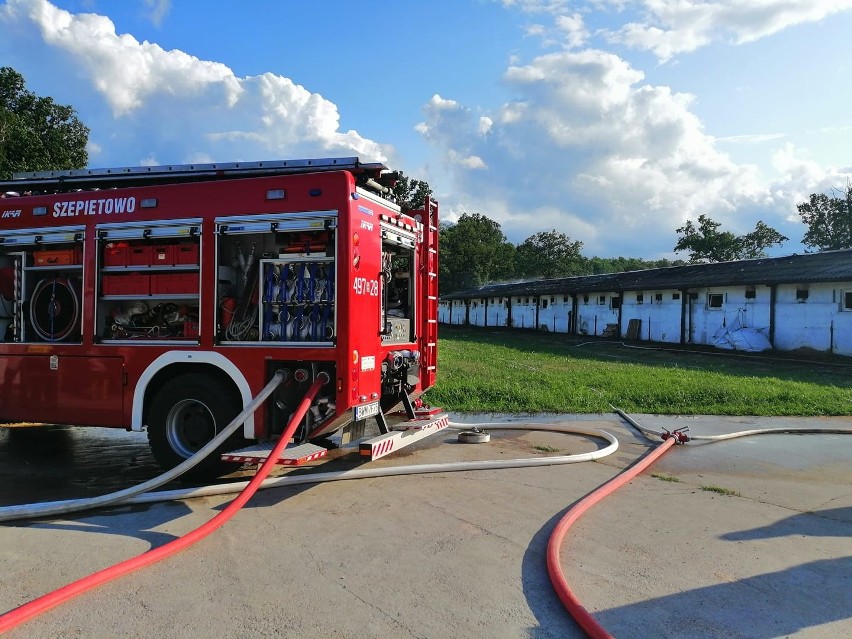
(398,285)
(148,279)
(277,278)
(41,274)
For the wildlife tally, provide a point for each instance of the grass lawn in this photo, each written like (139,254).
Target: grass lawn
(493,370)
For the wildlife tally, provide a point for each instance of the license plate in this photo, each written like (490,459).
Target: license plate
(367,410)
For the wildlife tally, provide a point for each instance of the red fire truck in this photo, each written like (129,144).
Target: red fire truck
(165,297)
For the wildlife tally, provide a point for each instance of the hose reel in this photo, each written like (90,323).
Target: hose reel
(54,309)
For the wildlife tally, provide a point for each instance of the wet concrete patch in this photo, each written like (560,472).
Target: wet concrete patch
(47,463)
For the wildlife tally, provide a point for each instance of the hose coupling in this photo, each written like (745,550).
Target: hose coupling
(679,435)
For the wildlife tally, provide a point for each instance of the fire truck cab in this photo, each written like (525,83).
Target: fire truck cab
(165,297)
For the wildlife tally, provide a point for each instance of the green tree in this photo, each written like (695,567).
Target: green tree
(36,134)
(410,194)
(829,221)
(754,244)
(600,265)
(473,251)
(706,243)
(549,254)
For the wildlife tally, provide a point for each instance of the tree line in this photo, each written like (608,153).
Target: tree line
(36,134)
(474,250)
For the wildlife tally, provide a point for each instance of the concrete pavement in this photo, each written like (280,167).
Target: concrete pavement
(747,538)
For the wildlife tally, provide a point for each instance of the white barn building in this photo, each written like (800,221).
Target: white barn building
(785,303)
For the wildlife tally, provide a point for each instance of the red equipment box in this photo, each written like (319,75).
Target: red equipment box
(174,284)
(130,284)
(186,253)
(163,255)
(139,255)
(62,257)
(190,329)
(115,254)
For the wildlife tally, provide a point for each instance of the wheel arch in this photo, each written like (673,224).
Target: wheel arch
(169,365)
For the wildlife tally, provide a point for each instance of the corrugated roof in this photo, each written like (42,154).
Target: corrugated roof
(828,266)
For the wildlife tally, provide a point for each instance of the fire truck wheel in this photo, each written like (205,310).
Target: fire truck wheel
(186,414)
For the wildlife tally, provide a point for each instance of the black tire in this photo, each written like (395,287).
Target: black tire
(185,415)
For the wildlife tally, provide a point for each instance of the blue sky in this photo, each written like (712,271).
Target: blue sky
(613,121)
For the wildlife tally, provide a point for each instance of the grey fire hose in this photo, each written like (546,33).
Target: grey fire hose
(52,508)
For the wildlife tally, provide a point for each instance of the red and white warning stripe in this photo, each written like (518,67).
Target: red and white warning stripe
(403,434)
(291,456)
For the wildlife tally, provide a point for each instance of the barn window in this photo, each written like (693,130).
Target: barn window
(544,303)
(675,296)
(526,300)
(658,297)
(552,300)
(715,300)
(601,299)
(565,299)
(585,299)
(615,302)
(750,293)
(640,298)
(846,300)
(519,300)
(801,295)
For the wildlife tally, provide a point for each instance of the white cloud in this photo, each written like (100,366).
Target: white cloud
(802,176)
(158,10)
(672,27)
(588,147)
(168,104)
(573,29)
(568,31)
(753,138)
(472,162)
(535,30)
(538,6)
(125,71)
(460,129)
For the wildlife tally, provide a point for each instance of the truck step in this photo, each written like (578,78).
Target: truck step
(290,456)
(419,414)
(403,434)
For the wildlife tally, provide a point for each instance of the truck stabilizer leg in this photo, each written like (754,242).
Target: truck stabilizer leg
(402,435)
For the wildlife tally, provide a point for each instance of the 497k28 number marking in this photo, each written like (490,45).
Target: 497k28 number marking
(363,286)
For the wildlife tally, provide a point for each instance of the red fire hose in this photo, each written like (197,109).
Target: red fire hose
(572,604)
(23,613)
